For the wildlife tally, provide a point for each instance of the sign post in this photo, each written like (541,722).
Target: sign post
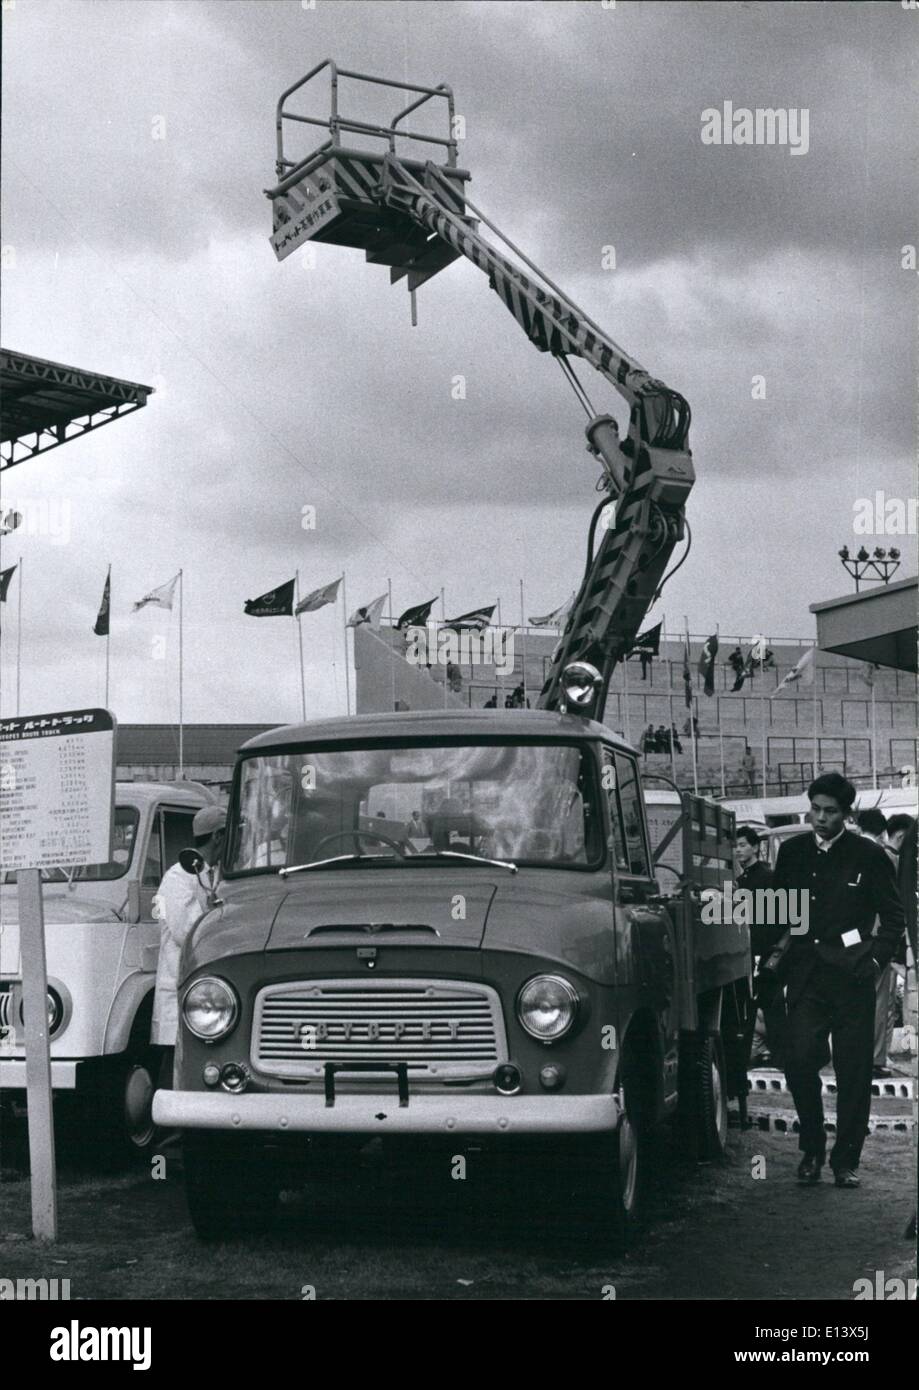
(57,787)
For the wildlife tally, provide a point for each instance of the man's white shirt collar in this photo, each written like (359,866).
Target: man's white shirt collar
(824,845)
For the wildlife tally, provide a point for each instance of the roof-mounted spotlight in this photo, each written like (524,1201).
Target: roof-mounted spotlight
(580,682)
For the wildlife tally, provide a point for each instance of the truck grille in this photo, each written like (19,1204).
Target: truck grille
(441,1029)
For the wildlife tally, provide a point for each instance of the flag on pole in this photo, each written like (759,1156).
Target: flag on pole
(648,642)
(867,672)
(101,625)
(6,577)
(9,521)
(687,676)
(557,617)
(800,674)
(319,597)
(706,666)
(370,614)
(277,603)
(161,597)
(417,616)
(475,620)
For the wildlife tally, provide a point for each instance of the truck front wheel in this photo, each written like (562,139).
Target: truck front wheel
(232,1187)
(611,1178)
(116,1109)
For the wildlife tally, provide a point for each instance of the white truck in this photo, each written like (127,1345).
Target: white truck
(102,943)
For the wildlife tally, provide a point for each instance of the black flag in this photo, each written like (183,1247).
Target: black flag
(277,603)
(100,626)
(707,663)
(648,642)
(6,578)
(417,616)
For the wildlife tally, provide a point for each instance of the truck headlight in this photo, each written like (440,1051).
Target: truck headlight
(55,1012)
(210,1008)
(547,1006)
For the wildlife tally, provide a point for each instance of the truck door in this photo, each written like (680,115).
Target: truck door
(645,932)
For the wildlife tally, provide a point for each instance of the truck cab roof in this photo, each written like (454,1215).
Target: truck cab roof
(437,724)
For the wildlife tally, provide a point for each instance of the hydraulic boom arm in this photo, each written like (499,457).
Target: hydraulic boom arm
(413,216)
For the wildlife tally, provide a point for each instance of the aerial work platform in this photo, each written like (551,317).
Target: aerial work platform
(382,193)
(336,194)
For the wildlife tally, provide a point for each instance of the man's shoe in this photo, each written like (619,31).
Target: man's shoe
(846,1177)
(809,1169)
(880,1073)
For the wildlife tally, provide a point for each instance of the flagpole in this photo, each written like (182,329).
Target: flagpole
(392,646)
(874,757)
(523,638)
(816,737)
(762,710)
(625,692)
(443,619)
(344,604)
(670,740)
(19,636)
(501,676)
(692,715)
(181,658)
(298,617)
(721,752)
(108,630)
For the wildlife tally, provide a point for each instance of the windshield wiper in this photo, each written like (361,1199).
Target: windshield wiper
(336,859)
(470,858)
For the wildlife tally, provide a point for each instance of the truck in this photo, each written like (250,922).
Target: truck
(102,943)
(521,972)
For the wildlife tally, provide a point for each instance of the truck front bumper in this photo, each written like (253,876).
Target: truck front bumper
(13,1075)
(425,1113)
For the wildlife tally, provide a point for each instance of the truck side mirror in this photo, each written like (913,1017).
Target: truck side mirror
(192,861)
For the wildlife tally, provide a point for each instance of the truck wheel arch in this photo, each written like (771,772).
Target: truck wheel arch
(642,1062)
(130,1016)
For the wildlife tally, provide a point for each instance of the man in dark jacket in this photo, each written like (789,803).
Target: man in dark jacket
(754,874)
(830,973)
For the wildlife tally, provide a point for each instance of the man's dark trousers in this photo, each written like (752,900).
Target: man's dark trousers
(832,1003)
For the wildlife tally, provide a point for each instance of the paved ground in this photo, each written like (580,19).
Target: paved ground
(714,1232)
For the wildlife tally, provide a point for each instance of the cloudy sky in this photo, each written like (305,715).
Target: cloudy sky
(280,387)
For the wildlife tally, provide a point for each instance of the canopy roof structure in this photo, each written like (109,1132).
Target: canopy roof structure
(877,625)
(44,404)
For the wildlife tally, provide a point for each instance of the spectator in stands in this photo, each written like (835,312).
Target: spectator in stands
(454,677)
(675,739)
(748,763)
(648,740)
(661,740)
(736,661)
(493,702)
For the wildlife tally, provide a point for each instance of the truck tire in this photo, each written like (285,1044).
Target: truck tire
(116,1116)
(703,1105)
(232,1188)
(713,1100)
(610,1175)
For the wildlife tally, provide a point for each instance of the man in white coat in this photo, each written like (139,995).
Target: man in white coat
(180,902)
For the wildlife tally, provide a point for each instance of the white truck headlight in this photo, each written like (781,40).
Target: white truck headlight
(210,1008)
(547,1006)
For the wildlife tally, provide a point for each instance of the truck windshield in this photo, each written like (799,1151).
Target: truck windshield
(125,832)
(533,803)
